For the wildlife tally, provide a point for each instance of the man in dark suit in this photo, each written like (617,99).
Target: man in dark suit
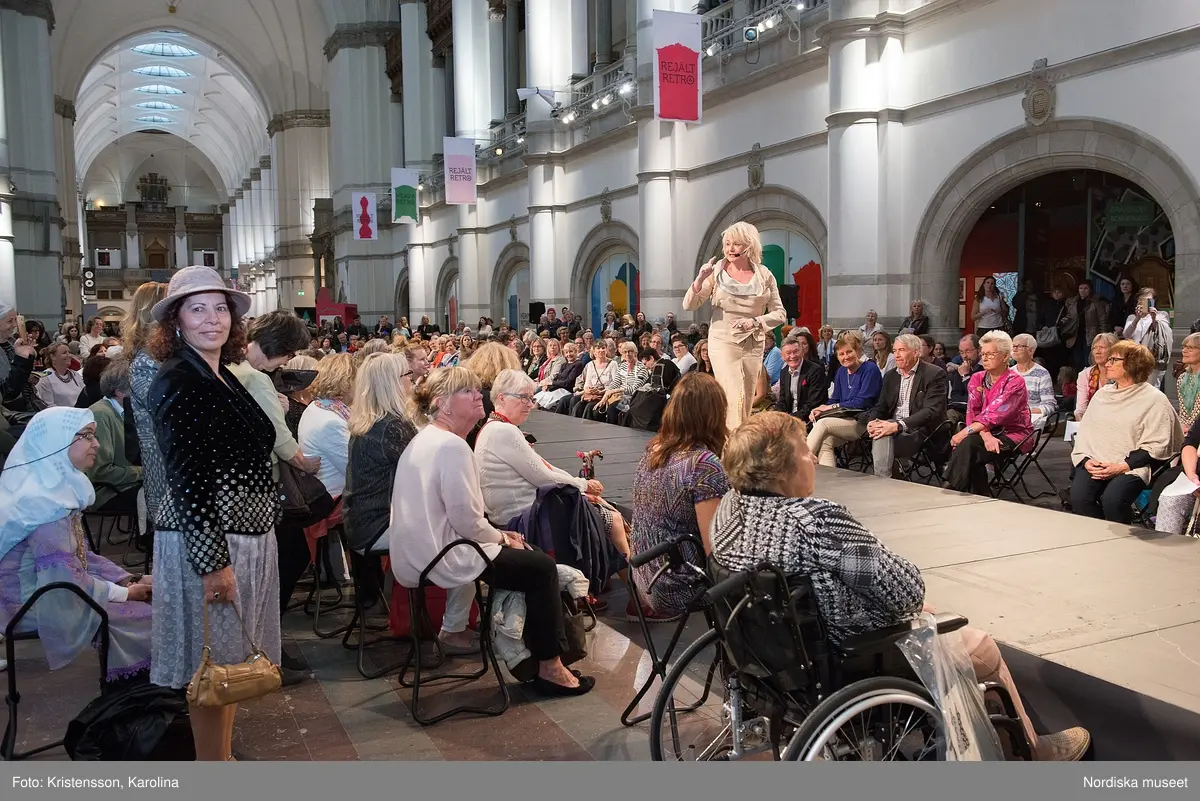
(911,405)
(959,370)
(803,385)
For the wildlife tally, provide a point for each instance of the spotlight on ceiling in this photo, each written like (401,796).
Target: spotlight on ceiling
(713,49)
(520,139)
(595,104)
(799,6)
(420,186)
(499,151)
(626,88)
(607,99)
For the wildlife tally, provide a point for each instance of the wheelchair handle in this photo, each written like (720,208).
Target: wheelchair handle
(650,554)
(730,585)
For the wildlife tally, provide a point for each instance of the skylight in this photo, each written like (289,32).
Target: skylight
(161,71)
(155,119)
(157,105)
(158,89)
(164,50)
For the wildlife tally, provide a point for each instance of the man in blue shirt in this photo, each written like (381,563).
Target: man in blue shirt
(772,359)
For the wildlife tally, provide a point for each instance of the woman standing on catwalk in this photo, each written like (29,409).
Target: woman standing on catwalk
(746,307)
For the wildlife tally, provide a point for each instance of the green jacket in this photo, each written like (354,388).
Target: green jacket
(112,473)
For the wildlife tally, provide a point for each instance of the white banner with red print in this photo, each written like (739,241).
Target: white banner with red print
(460,170)
(678,75)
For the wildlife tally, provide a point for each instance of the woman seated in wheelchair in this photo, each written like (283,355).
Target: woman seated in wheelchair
(770,515)
(42,542)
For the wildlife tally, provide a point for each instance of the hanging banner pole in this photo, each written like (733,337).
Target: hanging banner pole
(678,74)
(460,170)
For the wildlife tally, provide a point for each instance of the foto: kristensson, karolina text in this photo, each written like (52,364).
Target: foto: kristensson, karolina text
(1128,781)
(76,783)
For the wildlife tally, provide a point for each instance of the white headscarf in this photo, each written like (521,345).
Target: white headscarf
(39,484)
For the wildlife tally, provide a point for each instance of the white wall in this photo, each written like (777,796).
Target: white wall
(112,178)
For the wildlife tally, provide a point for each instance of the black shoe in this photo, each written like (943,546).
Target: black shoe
(291,678)
(552,690)
(289,661)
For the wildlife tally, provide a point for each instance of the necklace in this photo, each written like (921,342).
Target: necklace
(80,548)
(70,379)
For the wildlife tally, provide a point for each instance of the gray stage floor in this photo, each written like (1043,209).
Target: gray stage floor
(1118,603)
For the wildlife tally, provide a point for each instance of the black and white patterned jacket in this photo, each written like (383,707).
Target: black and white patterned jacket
(859,584)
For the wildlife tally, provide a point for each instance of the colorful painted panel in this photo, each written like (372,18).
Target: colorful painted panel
(616,281)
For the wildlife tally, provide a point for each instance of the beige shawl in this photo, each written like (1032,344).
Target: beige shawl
(1120,421)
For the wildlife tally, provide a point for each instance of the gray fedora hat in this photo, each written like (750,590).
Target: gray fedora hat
(194,280)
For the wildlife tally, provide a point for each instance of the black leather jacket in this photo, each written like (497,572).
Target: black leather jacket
(216,444)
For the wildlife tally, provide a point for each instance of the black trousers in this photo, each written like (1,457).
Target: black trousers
(125,501)
(1109,499)
(535,574)
(967,469)
(294,558)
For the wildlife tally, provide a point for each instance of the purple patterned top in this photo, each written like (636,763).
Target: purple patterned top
(664,509)
(1004,405)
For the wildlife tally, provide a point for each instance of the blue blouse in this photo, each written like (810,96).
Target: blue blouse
(858,391)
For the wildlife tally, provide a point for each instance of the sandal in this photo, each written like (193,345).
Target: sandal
(552,690)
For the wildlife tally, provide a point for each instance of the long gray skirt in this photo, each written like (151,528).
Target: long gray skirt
(178,623)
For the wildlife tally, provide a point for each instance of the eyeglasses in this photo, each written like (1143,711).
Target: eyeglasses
(86,436)
(1113,359)
(526,398)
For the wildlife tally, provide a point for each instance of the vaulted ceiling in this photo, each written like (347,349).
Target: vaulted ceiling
(255,59)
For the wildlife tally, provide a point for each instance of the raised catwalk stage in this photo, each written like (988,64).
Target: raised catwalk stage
(1101,622)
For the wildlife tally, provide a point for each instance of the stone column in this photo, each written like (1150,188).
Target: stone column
(665,271)
(30,232)
(549,64)
(578,44)
(133,240)
(300,172)
(420,286)
(272,293)
(183,256)
(245,222)
(68,203)
(256,208)
(269,191)
(423,131)
(366,141)
(226,241)
(232,244)
(495,68)
(512,61)
(604,34)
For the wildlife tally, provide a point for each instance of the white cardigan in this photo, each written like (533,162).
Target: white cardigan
(510,472)
(325,434)
(435,501)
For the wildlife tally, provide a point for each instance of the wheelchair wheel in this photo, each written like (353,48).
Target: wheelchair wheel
(694,717)
(880,719)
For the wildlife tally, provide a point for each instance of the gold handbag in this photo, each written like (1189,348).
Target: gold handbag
(221,685)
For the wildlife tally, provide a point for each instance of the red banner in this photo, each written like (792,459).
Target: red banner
(678,70)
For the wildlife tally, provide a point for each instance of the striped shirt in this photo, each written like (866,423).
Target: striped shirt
(1040,387)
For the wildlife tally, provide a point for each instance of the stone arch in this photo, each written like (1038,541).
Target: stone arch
(604,237)
(771,204)
(1022,154)
(514,256)
(400,306)
(447,275)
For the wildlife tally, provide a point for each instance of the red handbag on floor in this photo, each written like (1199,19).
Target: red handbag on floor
(435,600)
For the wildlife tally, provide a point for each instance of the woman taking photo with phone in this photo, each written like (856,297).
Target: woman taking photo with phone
(746,307)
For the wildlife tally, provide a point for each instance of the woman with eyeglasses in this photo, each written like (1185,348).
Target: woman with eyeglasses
(1130,429)
(998,419)
(42,542)
(437,501)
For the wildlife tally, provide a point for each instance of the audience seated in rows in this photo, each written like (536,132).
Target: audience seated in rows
(1130,429)
(1039,385)
(770,514)
(912,403)
(648,401)
(61,385)
(998,421)
(117,482)
(597,375)
(960,369)
(856,387)
(325,424)
(1096,374)
(676,487)
(629,375)
(802,382)
(550,392)
(437,501)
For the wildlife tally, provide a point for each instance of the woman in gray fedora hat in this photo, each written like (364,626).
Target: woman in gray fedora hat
(215,538)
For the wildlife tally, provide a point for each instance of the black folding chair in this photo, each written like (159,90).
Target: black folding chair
(419,622)
(121,521)
(11,636)
(659,662)
(1141,514)
(931,458)
(369,588)
(856,455)
(1010,470)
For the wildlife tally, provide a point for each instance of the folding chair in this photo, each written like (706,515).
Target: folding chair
(419,621)
(1141,506)
(930,460)
(659,662)
(369,586)
(1010,471)
(856,455)
(9,743)
(110,521)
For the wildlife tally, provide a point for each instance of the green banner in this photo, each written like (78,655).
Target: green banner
(405,206)
(1129,213)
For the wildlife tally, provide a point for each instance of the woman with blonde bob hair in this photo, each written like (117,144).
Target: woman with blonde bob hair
(379,432)
(325,424)
(745,308)
(436,502)
(771,514)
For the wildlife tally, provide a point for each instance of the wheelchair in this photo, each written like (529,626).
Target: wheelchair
(765,682)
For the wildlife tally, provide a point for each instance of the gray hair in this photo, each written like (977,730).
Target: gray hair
(910,341)
(790,339)
(511,382)
(1028,340)
(1000,339)
(115,378)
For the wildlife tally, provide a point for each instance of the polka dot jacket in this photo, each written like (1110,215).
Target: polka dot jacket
(216,444)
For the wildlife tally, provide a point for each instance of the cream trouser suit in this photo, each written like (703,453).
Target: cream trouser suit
(737,356)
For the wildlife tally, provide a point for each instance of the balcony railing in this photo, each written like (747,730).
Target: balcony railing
(723,27)
(508,139)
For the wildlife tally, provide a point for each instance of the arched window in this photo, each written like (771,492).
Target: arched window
(516,299)
(616,281)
